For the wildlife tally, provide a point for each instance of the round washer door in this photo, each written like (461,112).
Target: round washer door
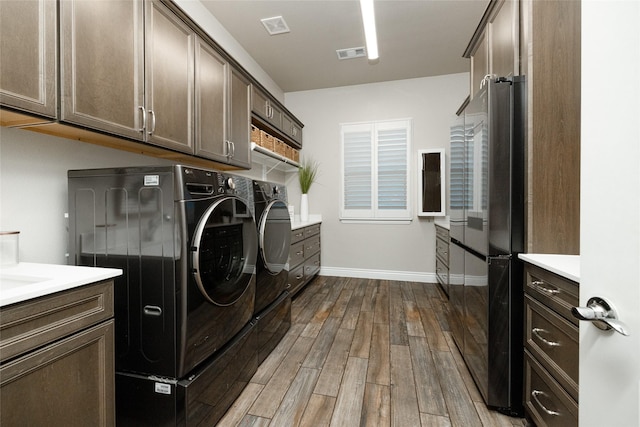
(224,251)
(275,236)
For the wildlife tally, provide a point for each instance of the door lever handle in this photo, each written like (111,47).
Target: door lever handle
(602,314)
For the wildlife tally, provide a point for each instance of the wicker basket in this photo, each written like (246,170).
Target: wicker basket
(295,155)
(281,148)
(267,141)
(255,135)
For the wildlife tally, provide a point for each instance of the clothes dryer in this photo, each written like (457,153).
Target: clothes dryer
(273,302)
(274,237)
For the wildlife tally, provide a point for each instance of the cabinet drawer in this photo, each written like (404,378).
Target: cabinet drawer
(296,254)
(554,343)
(554,291)
(311,266)
(311,230)
(297,235)
(442,272)
(296,277)
(31,324)
(442,251)
(442,233)
(311,246)
(547,403)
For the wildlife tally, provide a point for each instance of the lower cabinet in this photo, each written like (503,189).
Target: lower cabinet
(551,349)
(304,256)
(57,359)
(442,257)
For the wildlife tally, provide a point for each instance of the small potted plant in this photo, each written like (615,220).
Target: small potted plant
(306,176)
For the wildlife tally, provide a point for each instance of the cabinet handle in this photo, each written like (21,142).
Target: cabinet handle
(153,122)
(539,284)
(269,110)
(299,276)
(534,395)
(144,119)
(152,310)
(538,331)
(299,253)
(232,150)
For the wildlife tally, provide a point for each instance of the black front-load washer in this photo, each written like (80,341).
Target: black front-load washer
(187,243)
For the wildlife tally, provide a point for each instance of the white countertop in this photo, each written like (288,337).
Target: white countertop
(442,222)
(567,266)
(297,223)
(26,281)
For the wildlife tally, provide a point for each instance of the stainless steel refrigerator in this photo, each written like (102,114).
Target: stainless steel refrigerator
(487,233)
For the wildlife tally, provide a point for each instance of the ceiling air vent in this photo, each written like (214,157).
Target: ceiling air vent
(352,52)
(275,25)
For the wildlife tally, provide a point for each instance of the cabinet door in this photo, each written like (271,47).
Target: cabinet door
(102,65)
(211,83)
(28,55)
(262,105)
(292,130)
(504,40)
(296,133)
(259,103)
(67,383)
(169,79)
(276,115)
(479,64)
(239,120)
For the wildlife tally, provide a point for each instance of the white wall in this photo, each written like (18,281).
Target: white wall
(391,251)
(33,187)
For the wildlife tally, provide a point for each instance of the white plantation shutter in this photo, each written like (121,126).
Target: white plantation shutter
(358,170)
(375,184)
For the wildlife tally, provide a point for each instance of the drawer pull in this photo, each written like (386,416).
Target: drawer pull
(538,331)
(535,394)
(299,276)
(539,284)
(299,253)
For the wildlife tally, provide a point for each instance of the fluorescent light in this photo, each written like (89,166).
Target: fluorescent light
(369,22)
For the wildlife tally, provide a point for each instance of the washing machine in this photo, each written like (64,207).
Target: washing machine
(272,302)
(187,242)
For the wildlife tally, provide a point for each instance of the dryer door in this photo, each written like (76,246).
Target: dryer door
(275,236)
(224,251)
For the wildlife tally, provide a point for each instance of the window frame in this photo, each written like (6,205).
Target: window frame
(375,214)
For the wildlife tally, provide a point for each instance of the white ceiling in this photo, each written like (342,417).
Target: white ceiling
(416,38)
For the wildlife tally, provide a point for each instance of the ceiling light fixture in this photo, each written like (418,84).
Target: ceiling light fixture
(369,22)
(275,25)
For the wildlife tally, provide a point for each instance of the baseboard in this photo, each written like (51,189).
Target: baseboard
(361,273)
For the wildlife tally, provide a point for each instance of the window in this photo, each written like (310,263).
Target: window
(375,171)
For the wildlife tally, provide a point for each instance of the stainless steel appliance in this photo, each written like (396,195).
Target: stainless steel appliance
(187,243)
(272,302)
(487,233)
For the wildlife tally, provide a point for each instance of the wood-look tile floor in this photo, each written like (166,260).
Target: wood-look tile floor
(365,353)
